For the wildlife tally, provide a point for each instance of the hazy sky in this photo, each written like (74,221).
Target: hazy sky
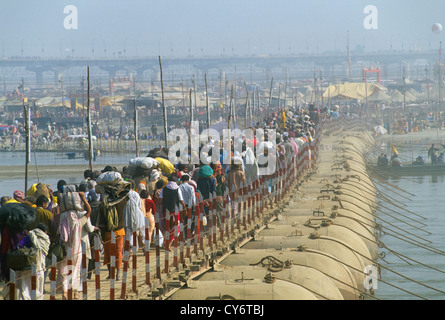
(213,27)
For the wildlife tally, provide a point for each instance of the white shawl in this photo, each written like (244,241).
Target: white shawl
(40,240)
(134,218)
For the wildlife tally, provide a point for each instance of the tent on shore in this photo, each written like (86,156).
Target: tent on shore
(352,91)
(380,95)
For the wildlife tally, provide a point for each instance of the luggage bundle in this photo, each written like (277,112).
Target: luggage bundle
(109,177)
(70,200)
(17,216)
(142,166)
(22,258)
(42,189)
(165,166)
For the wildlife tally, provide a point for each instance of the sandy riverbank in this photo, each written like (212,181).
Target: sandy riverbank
(429,136)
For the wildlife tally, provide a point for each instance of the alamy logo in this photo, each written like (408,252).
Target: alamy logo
(371,280)
(264,156)
(371,20)
(71,20)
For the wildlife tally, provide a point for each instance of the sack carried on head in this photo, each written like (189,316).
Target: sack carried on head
(42,189)
(144,162)
(109,177)
(70,200)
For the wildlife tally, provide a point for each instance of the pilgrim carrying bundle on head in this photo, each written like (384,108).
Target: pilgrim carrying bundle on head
(112,193)
(109,177)
(70,200)
(42,189)
(144,162)
(142,166)
(17,216)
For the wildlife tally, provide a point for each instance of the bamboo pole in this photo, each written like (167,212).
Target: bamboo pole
(285,96)
(147,253)
(194,88)
(97,263)
(136,127)
(207,103)
(234,101)
(28,145)
(246,109)
(84,273)
(52,277)
(270,96)
(134,265)
(163,106)
(113,266)
(183,95)
(252,110)
(229,121)
(90,138)
(12,285)
(230,109)
(440,74)
(190,126)
(125,267)
(259,107)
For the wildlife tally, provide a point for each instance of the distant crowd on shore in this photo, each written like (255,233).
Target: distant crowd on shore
(55,135)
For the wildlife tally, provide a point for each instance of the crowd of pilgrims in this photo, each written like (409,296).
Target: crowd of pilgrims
(119,201)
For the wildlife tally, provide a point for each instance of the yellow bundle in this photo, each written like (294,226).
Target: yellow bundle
(166,166)
(30,192)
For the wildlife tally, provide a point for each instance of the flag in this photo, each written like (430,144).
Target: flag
(283,117)
(394,150)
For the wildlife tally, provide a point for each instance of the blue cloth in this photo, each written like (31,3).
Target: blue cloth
(224,162)
(25,242)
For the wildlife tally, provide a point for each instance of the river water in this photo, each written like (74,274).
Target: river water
(7,185)
(61,158)
(407,273)
(414,225)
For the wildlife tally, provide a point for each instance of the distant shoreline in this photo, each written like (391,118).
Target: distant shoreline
(46,171)
(428,135)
